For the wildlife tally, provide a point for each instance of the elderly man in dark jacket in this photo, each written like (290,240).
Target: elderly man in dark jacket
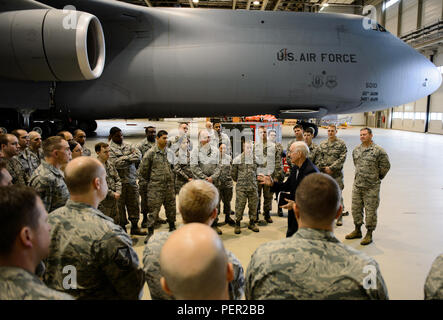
(301,167)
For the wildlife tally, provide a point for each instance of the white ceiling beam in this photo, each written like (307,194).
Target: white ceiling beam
(248,5)
(191,4)
(277,5)
(263,6)
(234,3)
(148,3)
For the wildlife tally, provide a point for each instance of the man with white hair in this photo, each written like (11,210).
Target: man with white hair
(194,264)
(301,167)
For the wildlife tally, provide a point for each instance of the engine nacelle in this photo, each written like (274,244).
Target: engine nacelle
(51,45)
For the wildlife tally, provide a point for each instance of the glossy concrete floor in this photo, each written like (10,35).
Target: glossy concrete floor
(410,217)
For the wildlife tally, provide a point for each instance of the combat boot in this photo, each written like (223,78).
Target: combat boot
(367,239)
(171,226)
(237,229)
(145,221)
(355,234)
(339,221)
(267,217)
(229,220)
(136,231)
(149,235)
(217,229)
(346,213)
(280,212)
(252,226)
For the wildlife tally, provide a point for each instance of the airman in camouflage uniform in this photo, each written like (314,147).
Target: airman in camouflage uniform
(107,266)
(35,152)
(156,170)
(125,158)
(182,167)
(225,185)
(151,262)
(308,135)
(312,264)
(205,164)
(10,151)
(144,145)
(109,206)
(269,164)
(80,137)
(244,172)
(30,160)
(434,280)
(19,284)
(371,166)
(331,157)
(49,182)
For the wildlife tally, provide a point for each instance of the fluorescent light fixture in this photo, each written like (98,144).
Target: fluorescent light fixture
(256,3)
(195,1)
(390,3)
(325,5)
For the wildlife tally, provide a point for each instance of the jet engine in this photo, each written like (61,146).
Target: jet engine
(51,45)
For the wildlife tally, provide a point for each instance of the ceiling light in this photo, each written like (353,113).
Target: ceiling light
(195,1)
(256,3)
(325,5)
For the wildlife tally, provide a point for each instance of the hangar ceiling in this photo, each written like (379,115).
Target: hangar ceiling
(276,5)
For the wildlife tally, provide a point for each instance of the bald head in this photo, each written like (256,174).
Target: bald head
(194,264)
(35,140)
(83,174)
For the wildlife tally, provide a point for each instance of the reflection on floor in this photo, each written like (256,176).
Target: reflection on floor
(410,217)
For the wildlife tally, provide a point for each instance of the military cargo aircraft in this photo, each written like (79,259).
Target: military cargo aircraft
(74,61)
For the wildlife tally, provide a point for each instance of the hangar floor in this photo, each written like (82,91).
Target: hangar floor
(410,217)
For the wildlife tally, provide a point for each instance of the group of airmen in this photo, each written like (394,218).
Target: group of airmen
(87,199)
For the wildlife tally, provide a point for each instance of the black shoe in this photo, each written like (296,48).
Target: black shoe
(218,230)
(172,226)
(345,214)
(280,212)
(137,232)
(230,221)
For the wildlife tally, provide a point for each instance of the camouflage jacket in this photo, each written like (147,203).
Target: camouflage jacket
(268,159)
(125,159)
(244,172)
(314,153)
(113,180)
(225,178)
(434,280)
(106,265)
(17,171)
(144,146)
(371,165)
(174,143)
(182,166)
(49,182)
(217,138)
(86,152)
(151,267)
(312,264)
(20,284)
(29,161)
(205,163)
(156,168)
(332,154)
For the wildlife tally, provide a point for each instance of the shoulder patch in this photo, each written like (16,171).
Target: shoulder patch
(123,258)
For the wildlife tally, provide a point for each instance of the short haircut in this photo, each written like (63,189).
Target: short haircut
(216,121)
(148,127)
(272,130)
(332,126)
(98,147)
(196,201)
(318,198)
(72,144)
(113,131)
(300,146)
(16,133)
(80,173)
(18,209)
(76,131)
(367,129)
(51,144)
(161,133)
(262,128)
(309,130)
(298,126)
(4,140)
(62,134)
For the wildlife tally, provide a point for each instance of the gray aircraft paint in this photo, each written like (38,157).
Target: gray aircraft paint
(194,62)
